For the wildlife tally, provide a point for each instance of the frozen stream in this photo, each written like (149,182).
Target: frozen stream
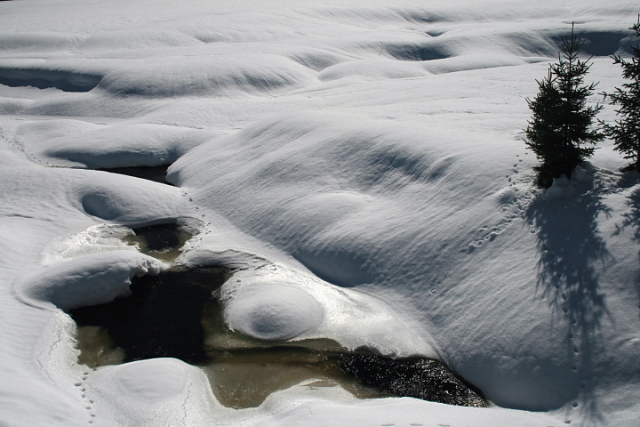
(178,314)
(355,170)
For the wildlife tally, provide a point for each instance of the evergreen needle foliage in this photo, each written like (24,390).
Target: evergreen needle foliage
(626,131)
(560,131)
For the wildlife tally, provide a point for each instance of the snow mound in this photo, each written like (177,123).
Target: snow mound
(126,200)
(207,75)
(140,380)
(149,393)
(471,62)
(321,184)
(29,132)
(309,408)
(123,146)
(373,68)
(89,280)
(268,300)
(273,311)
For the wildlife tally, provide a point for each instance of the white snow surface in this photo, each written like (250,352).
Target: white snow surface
(89,280)
(360,163)
(273,311)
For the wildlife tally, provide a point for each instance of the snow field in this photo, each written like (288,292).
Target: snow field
(360,163)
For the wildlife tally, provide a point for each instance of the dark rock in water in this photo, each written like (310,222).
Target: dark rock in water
(426,379)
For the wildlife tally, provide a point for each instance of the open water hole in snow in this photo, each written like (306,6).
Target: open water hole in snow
(178,314)
(162,241)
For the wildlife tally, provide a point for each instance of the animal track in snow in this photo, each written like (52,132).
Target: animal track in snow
(514,201)
(22,149)
(88,403)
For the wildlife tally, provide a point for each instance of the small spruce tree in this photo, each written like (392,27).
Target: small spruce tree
(626,131)
(560,132)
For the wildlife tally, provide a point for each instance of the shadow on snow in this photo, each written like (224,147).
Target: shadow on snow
(632,219)
(569,249)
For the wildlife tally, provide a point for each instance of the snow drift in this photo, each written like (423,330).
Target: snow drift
(359,164)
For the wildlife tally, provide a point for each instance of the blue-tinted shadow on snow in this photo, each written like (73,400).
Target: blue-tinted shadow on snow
(151,173)
(67,81)
(338,267)
(417,52)
(632,218)
(570,248)
(599,43)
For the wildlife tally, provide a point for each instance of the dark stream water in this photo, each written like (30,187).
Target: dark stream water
(163,241)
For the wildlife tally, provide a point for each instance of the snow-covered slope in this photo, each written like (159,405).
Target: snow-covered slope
(361,162)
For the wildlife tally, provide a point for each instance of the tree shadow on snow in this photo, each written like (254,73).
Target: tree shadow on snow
(632,219)
(570,248)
